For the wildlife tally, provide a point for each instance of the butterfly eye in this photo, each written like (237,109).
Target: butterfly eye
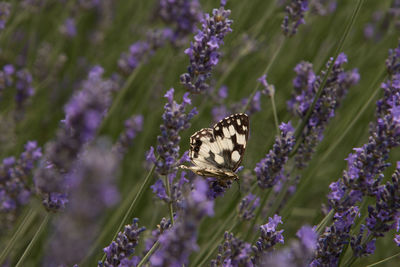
(196,149)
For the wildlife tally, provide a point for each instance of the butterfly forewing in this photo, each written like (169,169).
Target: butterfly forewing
(231,135)
(221,148)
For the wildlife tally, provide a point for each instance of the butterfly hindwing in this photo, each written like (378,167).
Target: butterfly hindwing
(218,151)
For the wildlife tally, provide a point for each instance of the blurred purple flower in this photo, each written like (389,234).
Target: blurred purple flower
(323,7)
(68,28)
(178,242)
(119,252)
(164,225)
(295,12)
(83,115)
(182,15)
(382,21)
(15,175)
(270,169)
(306,85)
(233,252)
(92,186)
(141,51)
(23,84)
(203,52)
(4,14)
(133,126)
(269,89)
(247,207)
(299,253)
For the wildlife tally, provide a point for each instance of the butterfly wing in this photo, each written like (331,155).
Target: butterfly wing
(231,136)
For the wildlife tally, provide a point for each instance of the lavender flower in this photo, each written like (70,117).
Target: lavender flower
(364,173)
(4,14)
(83,115)
(133,126)
(15,177)
(397,240)
(269,89)
(233,252)
(68,28)
(179,241)
(118,253)
(203,52)
(164,225)
(92,185)
(23,84)
(298,253)
(332,241)
(175,120)
(323,7)
(183,15)
(247,207)
(270,169)
(295,16)
(382,21)
(381,218)
(306,85)
(269,237)
(141,51)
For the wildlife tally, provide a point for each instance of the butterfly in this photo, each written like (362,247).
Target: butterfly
(218,151)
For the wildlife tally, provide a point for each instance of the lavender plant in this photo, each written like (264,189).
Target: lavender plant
(49,93)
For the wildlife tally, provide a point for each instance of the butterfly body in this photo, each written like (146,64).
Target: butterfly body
(218,151)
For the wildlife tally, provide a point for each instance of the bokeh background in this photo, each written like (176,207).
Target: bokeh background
(37,36)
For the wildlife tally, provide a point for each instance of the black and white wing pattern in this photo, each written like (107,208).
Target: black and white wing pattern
(218,151)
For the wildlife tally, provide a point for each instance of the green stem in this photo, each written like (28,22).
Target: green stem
(33,241)
(258,213)
(171,209)
(321,226)
(384,260)
(339,48)
(120,96)
(133,204)
(266,70)
(26,222)
(276,120)
(149,253)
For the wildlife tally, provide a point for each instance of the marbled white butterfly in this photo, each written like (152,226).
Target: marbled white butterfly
(218,151)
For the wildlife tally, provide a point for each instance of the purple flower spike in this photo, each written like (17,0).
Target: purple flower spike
(4,14)
(269,89)
(133,126)
(270,169)
(92,190)
(364,172)
(182,15)
(83,115)
(306,85)
(247,207)
(15,175)
(118,253)
(269,237)
(203,52)
(233,252)
(175,120)
(69,28)
(179,241)
(295,16)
